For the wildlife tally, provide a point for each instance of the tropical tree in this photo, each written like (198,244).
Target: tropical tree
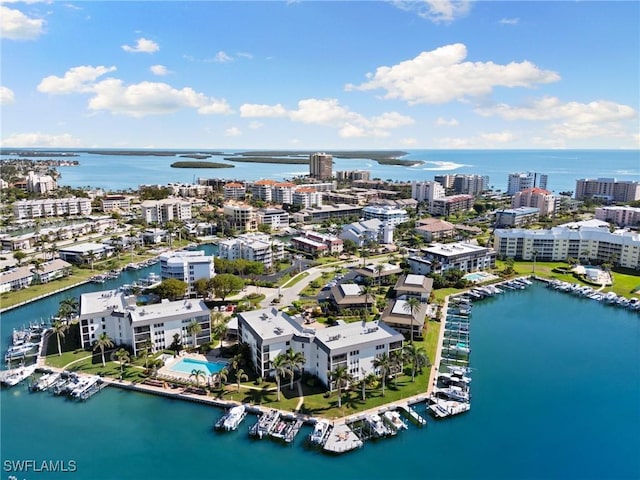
(201,286)
(221,376)
(379,268)
(176,345)
(367,380)
(412,306)
(226,284)
(123,358)
(103,341)
(219,330)
(19,255)
(172,288)
(240,376)
(59,328)
(68,307)
(146,350)
(37,266)
(236,361)
(367,291)
(90,257)
(341,377)
(197,374)
(383,365)
(295,361)
(280,365)
(417,355)
(193,329)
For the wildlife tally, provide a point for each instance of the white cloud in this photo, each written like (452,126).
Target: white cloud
(549,108)
(248,56)
(509,21)
(588,130)
(437,11)
(444,122)
(254,125)
(408,142)
(257,110)
(391,120)
(143,45)
(483,140)
(7,96)
(15,25)
(222,57)
(76,80)
(149,98)
(159,70)
(323,112)
(40,140)
(232,132)
(441,76)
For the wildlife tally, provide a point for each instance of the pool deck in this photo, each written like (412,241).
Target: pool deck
(168,374)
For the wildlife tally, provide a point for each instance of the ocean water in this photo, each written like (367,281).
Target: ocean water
(556,395)
(122,172)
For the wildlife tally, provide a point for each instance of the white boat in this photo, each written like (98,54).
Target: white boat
(379,430)
(46,381)
(234,417)
(18,351)
(455,393)
(450,379)
(18,375)
(460,347)
(320,431)
(394,421)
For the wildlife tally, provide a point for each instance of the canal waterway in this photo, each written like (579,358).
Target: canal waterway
(555,395)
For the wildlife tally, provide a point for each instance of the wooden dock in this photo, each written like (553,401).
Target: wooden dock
(342,439)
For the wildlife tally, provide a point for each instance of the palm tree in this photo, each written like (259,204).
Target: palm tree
(367,291)
(222,376)
(59,328)
(280,365)
(240,376)
(146,349)
(341,376)
(68,307)
(90,256)
(396,360)
(379,268)
(37,266)
(382,364)
(236,361)
(417,355)
(123,358)
(197,374)
(295,360)
(412,306)
(219,330)
(535,255)
(104,341)
(367,380)
(194,328)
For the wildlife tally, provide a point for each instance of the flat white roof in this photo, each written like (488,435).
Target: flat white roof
(159,311)
(350,289)
(270,323)
(412,279)
(96,302)
(353,334)
(400,308)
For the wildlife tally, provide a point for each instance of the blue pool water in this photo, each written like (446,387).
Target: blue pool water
(473,277)
(187,365)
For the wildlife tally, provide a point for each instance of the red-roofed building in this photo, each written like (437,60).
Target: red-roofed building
(535,197)
(234,191)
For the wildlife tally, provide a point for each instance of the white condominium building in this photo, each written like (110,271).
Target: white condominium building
(188,266)
(240,216)
(427,191)
(256,247)
(522,181)
(51,207)
(307,197)
(276,218)
(385,213)
(535,197)
(166,210)
(117,315)
(563,242)
(40,183)
(269,332)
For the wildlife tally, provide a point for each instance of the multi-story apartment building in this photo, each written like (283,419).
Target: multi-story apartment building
(234,191)
(275,218)
(41,184)
(283,192)
(116,314)
(621,216)
(51,207)
(587,243)
(386,214)
(368,231)
(318,243)
(263,190)
(463,184)
(608,189)
(256,247)
(516,217)
(165,210)
(307,197)
(326,212)
(351,175)
(427,191)
(535,197)
(446,206)
(269,333)
(522,181)
(188,266)
(241,217)
(115,203)
(321,166)
(459,256)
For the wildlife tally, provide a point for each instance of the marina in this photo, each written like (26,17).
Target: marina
(231,419)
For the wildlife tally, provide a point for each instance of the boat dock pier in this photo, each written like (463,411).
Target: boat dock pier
(342,439)
(412,415)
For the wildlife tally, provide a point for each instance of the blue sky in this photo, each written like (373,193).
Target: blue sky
(320,75)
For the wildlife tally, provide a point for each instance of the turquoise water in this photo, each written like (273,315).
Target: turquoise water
(472,277)
(556,395)
(187,365)
(562,166)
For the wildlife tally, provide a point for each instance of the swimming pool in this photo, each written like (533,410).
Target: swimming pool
(476,276)
(187,365)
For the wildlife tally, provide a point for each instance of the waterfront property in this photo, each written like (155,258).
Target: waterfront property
(116,314)
(269,333)
(188,365)
(188,266)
